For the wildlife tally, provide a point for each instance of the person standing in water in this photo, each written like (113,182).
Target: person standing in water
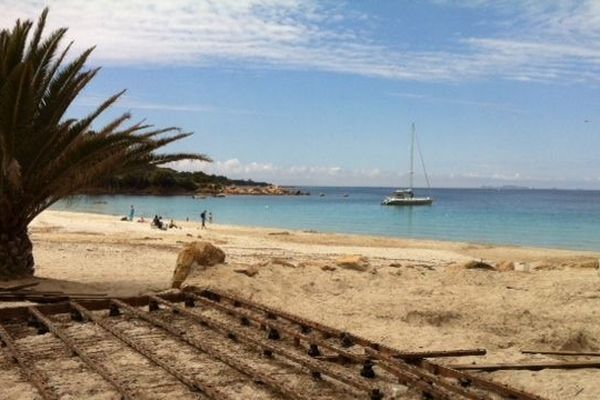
(210,217)
(131,213)
(203,217)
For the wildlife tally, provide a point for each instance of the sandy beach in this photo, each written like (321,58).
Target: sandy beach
(413,295)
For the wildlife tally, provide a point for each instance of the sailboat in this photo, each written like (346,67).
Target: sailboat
(406,197)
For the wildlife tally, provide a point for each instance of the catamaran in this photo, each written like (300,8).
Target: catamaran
(406,197)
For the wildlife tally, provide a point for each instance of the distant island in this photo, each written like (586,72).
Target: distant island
(506,187)
(166,181)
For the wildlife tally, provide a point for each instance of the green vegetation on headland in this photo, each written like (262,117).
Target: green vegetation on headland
(165,181)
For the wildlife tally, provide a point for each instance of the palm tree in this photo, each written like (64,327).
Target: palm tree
(45,156)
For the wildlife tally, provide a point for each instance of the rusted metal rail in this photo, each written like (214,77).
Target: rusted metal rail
(329,332)
(296,347)
(409,375)
(35,376)
(237,364)
(126,393)
(389,358)
(195,383)
(533,366)
(261,345)
(467,379)
(563,353)
(401,367)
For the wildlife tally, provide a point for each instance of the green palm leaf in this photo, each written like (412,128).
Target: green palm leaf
(45,156)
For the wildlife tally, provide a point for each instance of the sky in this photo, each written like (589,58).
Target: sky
(303,92)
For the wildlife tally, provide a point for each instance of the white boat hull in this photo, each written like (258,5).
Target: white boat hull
(415,201)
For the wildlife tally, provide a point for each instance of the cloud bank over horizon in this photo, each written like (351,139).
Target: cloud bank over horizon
(303,175)
(548,41)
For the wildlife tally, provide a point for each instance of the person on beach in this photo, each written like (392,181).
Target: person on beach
(210,217)
(203,217)
(131,213)
(157,222)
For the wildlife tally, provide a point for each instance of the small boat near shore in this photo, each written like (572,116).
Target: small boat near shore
(406,197)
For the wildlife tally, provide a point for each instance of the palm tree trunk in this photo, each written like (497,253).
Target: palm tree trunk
(16,255)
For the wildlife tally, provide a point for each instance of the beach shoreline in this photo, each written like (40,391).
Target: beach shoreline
(413,294)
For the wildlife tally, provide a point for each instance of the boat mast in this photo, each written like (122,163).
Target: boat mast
(412,157)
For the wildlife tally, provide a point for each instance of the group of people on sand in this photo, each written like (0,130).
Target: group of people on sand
(157,221)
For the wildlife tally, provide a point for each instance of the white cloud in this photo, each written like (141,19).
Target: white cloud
(541,40)
(338,176)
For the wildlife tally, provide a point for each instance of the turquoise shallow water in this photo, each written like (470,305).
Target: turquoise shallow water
(544,218)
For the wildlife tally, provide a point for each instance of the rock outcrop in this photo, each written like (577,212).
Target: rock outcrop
(194,255)
(356,263)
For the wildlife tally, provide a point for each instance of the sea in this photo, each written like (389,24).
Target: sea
(568,219)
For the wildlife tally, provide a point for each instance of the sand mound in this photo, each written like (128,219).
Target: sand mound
(434,318)
(579,341)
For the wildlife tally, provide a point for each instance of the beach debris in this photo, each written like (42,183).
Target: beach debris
(328,268)
(189,235)
(250,271)
(46,296)
(241,333)
(472,264)
(282,233)
(563,353)
(524,267)
(396,265)
(283,262)
(195,254)
(355,263)
(529,365)
(505,266)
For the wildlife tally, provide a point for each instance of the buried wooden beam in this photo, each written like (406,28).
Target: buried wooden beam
(532,365)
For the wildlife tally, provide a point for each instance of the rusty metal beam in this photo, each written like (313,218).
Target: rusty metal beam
(22,313)
(312,364)
(333,332)
(470,379)
(237,364)
(419,376)
(36,377)
(273,324)
(126,393)
(563,353)
(193,383)
(413,357)
(533,366)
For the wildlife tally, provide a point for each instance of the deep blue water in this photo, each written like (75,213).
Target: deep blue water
(545,218)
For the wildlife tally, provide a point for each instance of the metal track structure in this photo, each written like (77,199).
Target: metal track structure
(194,383)
(44,323)
(37,378)
(411,363)
(330,358)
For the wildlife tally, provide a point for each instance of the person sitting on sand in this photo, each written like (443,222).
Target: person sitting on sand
(156,222)
(141,219)
(172,224)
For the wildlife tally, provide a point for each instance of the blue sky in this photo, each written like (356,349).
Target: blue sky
(308,92)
